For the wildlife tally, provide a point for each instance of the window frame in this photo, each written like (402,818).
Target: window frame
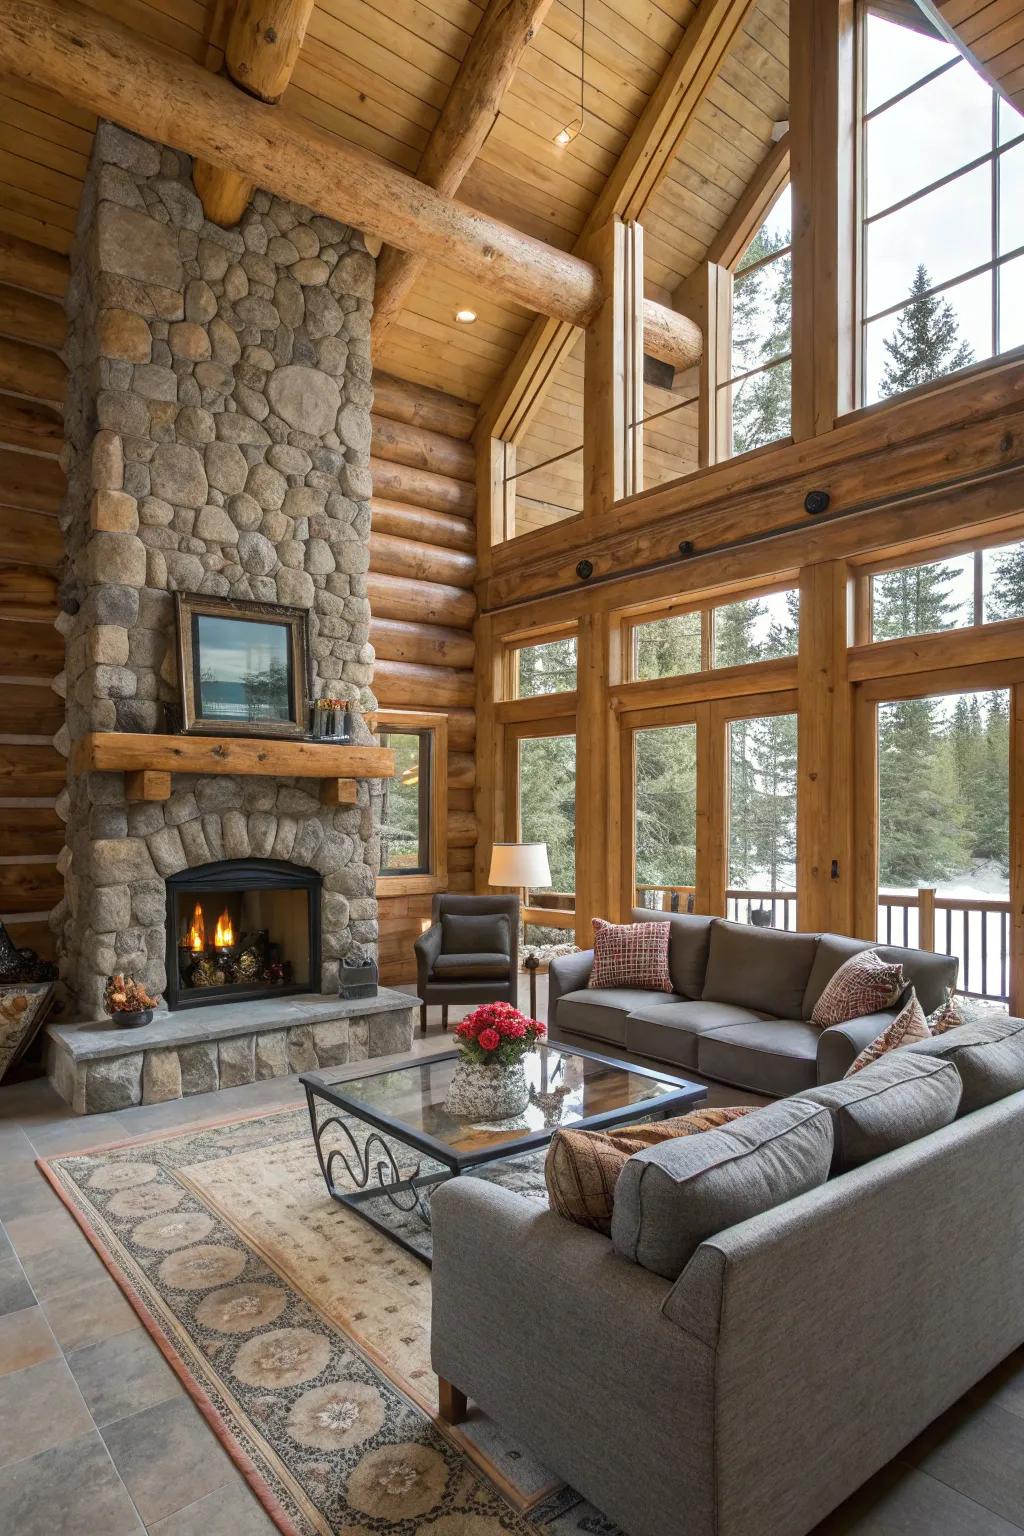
(933,554)
(508,665)
(670,608)
(433,728)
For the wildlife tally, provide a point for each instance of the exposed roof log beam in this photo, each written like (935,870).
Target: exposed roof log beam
(639,172)
(104,66)
(263,42)
(466,119)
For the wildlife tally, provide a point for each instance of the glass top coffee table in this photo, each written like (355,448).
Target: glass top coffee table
(363,1127)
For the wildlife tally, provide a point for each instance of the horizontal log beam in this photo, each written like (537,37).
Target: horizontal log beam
(30,650)
(30,770)
(32,537)
(422,524)
(31,829)
(30,317)
(123,752)
(31,266)
(463,830)
(419,448)
(403,683)
(30,483)
(395,640)
(29,887)
(30,424)
(461,730)
(419,406)
(461,770)
(119,73)
(423,562)
(427,602)
(422,488)
(26,592)
(31,371)
(29,709)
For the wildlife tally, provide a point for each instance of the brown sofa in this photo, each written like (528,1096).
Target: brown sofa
(741,1005)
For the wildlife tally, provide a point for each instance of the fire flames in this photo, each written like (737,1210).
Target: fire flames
(224,937)
(195,939)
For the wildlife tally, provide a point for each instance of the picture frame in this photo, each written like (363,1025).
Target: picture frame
(243,667)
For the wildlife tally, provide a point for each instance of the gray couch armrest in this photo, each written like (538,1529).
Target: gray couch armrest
(841,1044)
(547,1331)
(427,948)
(567,973)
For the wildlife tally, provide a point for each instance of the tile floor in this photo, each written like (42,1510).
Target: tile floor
(100,1439)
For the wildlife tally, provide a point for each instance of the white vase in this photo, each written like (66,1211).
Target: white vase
(478,1092)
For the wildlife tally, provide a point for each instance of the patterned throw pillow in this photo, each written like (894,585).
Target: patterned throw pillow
(909,1024)
(949,1015)
(863,984)
(631,955)
(582,1167)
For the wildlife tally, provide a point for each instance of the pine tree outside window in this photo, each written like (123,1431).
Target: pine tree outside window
(981,586)
(942,229)
(544,669)
(758,391)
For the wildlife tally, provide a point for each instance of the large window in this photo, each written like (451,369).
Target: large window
(755,401)
(665,815)
(405,813)
(759,628)
(762,820)
(547,811)
(980,586)
(942,255)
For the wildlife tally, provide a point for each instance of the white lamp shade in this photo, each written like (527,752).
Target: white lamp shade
(522,865)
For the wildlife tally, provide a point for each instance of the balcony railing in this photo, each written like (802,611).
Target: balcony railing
(974,929)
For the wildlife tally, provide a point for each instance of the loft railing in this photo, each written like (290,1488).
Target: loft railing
(974,929)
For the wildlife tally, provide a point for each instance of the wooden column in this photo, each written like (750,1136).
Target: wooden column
(594,853)
(822,160)
(712,811)
(706,296)
(824,842)
(612,457)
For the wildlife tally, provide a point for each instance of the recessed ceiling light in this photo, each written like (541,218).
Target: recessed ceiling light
(465,316)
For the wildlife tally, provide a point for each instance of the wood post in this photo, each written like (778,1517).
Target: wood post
(926,917)
(593,758)
(824,843)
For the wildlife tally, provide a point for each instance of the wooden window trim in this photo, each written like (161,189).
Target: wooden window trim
(628,621)
(437,877)
(525,640)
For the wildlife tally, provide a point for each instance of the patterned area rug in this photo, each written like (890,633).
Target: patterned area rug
(303,1334)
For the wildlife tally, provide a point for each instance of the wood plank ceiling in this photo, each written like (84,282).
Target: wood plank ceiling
(377,75)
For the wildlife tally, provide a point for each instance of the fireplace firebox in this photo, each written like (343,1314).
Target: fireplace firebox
(241,929)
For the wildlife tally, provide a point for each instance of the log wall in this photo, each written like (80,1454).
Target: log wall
(422,570)
(32,385)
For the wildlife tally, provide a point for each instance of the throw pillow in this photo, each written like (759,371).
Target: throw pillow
(631,955)
(948,1016)
(909,1025)
(486,934)
(582,1167)
(863,984)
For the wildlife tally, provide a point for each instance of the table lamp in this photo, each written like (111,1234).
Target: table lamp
(523,866)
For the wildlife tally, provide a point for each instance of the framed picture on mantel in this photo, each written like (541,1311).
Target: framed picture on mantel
(242,667)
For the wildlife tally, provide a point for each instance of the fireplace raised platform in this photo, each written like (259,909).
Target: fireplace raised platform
(222,1046)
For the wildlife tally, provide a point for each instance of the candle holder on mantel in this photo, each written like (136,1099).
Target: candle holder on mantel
(330,720)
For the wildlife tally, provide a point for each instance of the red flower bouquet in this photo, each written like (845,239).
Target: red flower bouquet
(498,1035)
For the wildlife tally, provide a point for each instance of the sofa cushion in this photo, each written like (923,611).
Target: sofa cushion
(602,1014)
(630,955)
(909,1025)
(670,1033)
(480,935)
(776,1057)
(689,937)
(989,1057)
(891,1103)
(582,1167)
(472,967)
(929,974)
(761,968)
(671,1198)
(863,984)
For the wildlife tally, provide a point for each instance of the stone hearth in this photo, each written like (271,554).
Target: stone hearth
(96,1069)
(218,435)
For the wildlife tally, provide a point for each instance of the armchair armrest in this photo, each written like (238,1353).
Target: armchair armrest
(567,973)
(427,948)
(841,1044)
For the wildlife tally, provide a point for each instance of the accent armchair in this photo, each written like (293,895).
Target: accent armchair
(469,954)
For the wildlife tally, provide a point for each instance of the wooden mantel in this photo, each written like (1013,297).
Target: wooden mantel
(148,761)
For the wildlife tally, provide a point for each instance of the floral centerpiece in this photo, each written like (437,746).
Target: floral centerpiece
(489,1080)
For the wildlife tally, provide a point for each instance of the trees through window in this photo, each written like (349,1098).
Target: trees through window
(756,398)
(982,586)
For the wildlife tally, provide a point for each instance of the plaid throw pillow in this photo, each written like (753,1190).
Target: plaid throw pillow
(909,1025)
(631,955)
(582,1167)
(863,984)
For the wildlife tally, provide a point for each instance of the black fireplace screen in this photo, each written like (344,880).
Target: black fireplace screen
(241,929)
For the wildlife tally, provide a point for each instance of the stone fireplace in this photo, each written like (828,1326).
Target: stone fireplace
(218,434)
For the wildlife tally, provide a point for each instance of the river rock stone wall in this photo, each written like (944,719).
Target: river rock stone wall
(218,436)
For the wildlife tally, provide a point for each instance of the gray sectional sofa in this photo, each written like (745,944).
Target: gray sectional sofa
(741,1006)
(692,1377)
